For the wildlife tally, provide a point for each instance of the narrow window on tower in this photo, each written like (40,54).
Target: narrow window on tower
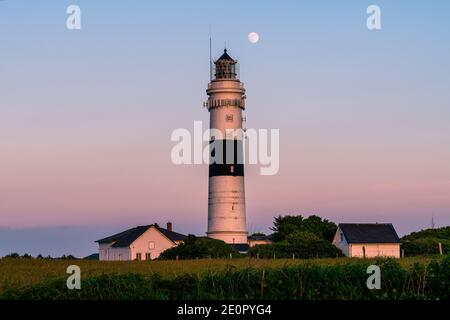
(229,118)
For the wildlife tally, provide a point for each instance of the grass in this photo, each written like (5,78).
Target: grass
(19,275)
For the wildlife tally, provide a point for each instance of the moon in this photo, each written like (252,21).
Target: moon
(253,37)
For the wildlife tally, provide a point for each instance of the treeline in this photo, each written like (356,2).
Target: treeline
(305,282)
(427,242)
(15,255)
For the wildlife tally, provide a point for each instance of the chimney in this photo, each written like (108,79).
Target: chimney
(169,226)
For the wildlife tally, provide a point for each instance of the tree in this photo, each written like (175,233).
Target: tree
(426,242)
(194,248)
(258,234)
(286,225)
(301,236)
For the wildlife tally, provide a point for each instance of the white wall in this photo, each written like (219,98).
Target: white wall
(103,251)
(376,250)
(341,244)
(109,253)
(142,244)
(119,254)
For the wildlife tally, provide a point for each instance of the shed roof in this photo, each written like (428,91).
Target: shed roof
(369,232)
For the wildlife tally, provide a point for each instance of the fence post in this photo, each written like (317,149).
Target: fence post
(177,258)
(440,248)
(231,256)
(257,256)
(403,253)
(293,256)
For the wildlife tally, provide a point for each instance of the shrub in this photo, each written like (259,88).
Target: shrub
(197,248)
(426,242)
(304,249)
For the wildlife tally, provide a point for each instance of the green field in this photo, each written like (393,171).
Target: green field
(340,278)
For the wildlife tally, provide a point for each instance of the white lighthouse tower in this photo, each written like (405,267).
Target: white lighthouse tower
(226,198)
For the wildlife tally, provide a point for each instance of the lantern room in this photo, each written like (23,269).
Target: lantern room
(226,67)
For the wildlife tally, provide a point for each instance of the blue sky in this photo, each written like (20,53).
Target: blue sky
(86,116)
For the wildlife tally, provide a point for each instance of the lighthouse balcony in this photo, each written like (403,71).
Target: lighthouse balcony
(217,103)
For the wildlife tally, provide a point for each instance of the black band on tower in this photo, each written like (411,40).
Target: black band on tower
(223,163)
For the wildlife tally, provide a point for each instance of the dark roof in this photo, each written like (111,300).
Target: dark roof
(127,237)
(241,247)
(174,236)
(369,232)
(226,56)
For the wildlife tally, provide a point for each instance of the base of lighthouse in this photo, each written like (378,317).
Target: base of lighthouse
(226,209)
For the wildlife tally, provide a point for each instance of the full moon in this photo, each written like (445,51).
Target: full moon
(253,37)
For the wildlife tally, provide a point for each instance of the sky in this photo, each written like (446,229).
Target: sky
(86,115)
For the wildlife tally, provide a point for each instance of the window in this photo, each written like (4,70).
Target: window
(342,237)
(151,245)
(148,256)
(229,118)
(138,256)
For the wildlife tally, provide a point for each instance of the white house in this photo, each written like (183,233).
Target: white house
(139,243)
(367,240)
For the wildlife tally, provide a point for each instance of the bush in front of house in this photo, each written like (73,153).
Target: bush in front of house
(199,248)
(303,250)
(301,245)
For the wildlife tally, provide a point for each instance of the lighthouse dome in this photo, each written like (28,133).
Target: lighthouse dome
(225,56)
(225,67)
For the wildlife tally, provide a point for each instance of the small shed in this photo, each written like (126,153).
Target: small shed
(367,240)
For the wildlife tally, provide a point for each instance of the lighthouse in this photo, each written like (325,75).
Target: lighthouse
(226,191)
